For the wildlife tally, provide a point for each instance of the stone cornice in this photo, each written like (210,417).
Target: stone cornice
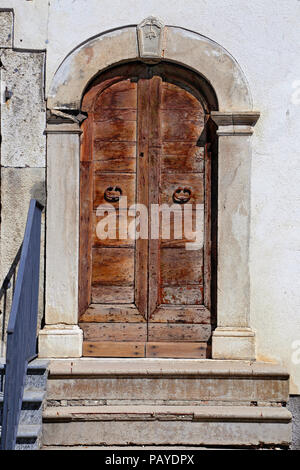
(239,123)
(59,122)
(63,128)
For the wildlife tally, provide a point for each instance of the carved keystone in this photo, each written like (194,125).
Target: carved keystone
(150,38)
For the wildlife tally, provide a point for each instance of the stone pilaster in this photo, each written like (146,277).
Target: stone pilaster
(233,337)
(61,336)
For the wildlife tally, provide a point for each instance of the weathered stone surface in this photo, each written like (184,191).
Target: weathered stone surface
(23,114)
(61,341)
(242,426)
(234,231)
(6,28)
(156,381)
(186,413)
(150,37)
(18,186)
(78,69)
(214,63)
(294,407)
(144,367)
(156,389)
(62,229)
(185,47)
(233,343)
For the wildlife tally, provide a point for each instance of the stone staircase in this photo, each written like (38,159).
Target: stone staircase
(116,403)
(30,426)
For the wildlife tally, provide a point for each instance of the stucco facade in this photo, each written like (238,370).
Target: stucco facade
(262,39)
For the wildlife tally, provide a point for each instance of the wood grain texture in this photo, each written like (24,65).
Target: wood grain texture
(141,258)
(182,295)
(116,313)
(114,331)
(154,294)
(181,314)
(119,95)
(113,266)
(177,98)
(112,294)
(114,114)
(177,350)
(116,221)
(207,237)
(124,131)
(126,182)
(86,204)
(176,127)
(113,349)
(182,157)
(114,156)
(178,332)
(178,226)
(181,267)
(193,182)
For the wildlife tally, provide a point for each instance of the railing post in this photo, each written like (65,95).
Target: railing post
(22,326)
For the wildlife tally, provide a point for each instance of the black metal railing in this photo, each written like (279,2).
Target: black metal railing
(22,323)
(6,295)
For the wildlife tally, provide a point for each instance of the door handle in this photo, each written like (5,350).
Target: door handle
(112,194)
(182,195)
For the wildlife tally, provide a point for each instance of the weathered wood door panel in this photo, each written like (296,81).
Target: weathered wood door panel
(144,138)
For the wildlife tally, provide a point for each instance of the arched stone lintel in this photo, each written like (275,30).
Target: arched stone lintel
(181,46)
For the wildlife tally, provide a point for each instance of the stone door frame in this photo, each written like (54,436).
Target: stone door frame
(150,41)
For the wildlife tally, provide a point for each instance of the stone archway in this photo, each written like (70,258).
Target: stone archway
(233,337)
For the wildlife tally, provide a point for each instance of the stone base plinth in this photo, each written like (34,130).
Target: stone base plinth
(233,343)
(60,341)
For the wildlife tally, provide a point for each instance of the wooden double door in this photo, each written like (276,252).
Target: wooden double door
(145,289)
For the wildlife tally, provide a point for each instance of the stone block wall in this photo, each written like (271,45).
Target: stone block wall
(23,143)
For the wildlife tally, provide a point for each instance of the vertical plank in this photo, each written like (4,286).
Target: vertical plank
(86,206)
(207,229)
(154,190)
(141,262)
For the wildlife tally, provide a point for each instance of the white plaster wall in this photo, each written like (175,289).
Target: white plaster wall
(263,36)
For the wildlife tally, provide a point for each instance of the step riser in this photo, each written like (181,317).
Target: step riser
(28,444)
(252,392)
(31,413)
(166,433)
(36,375)
(32,406)
(158,390)
(36,379)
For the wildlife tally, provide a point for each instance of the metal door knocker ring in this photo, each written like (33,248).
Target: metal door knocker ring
(112,194)
(182,195)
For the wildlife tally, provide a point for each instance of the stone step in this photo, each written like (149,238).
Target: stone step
(167,425)
(36,376)
(165,381)
(32,406)
(180,448)
(31,395)
(30,424)
(28,437)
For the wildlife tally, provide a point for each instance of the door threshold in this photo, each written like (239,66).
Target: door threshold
(172,350)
